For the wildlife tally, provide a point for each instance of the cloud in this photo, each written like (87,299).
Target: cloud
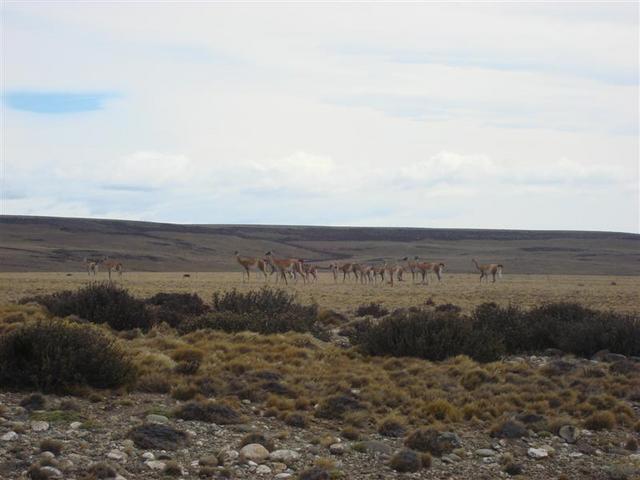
(55,102)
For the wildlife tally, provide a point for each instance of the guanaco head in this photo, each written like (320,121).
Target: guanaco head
(268,254)
(236,253)
(405,258)
(416,257)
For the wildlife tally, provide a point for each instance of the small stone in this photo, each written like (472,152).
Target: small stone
(39,426)
(569,433)
(47,455)
(117,455)
(51,472)
(278,467)
(148,456)
(284,456)
(485,452)
(154,418)
(537,453)
(263,470)
(228,455)
(9,436)
(283,476)
(208,461)
(156,465)
(75,425)
(337,449)
(254,452)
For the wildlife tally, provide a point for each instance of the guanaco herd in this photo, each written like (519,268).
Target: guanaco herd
(295,268)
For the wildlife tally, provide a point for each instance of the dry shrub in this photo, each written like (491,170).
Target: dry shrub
(374,309)
(210,412)
(600,421)
(55,356)
(99,303)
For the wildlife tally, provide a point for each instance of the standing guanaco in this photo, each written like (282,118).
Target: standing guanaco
(412,266)
(112,266)
(284,266)
(491,268)
(92,265)
(248,262)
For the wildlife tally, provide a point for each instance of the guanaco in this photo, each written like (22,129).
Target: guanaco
(310,271)
(92,266)
(284,266)
(334,270)
(412,266)
(347,269)
(249,262)
(491,268)
(112,266)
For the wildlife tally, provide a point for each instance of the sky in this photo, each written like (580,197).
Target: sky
(518,116)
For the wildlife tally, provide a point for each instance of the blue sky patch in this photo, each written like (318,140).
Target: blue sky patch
(56,102)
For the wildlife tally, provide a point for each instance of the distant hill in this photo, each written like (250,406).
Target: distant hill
(60,244)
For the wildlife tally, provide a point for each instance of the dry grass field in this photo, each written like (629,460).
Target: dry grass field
(619,293)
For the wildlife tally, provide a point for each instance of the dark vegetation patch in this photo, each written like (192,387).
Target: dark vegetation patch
(374,309)
(210,412)
(493,331)
(155,436)
(336,406)
(173,308)
(263,311)
(55,356)
(98,303)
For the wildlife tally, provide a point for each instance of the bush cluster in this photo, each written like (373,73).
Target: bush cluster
(493,331)
(173,308)
(264,311)
(374,309)
(99,303)
(54,356)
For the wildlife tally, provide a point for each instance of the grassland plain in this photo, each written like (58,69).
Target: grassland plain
(619,293)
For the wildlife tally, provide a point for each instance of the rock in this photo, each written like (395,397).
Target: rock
(117,455)
(510,429)
(228,455)
(254,452)
(282,476)
(263,470)
(278,467)
(337,449)
(537,453)
(406,460)
(75,425)
(39,426)
(485,452)
(284,456)
(154,418)
(208,461)
(569,433)
(9,436)
(51,472)
(154,436)
(148,456)
(156,465)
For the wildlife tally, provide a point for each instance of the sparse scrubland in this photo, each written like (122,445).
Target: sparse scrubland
(246,384)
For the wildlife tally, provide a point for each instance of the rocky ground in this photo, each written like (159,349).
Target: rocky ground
(134,436)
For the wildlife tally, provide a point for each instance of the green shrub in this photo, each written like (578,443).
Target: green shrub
(53,356)
(267,301)
(99,303)
(232,322)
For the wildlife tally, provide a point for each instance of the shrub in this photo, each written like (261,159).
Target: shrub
(600,421)
(35,401)
(373,309)
(54,356)
(173,308)
(254,322)
(421,334)
(296,419)
(267,301)
(51,445)
(391,427)
(448,307)
(406,460)
(431,441)
(492,332)
(260,438)
(99,303)
(210,412)
(336,406)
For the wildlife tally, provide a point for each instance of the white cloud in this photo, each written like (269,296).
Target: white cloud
(330,114)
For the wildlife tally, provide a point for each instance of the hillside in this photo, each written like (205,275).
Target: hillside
(60,244)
